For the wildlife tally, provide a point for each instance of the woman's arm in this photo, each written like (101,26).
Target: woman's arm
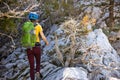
(44,38)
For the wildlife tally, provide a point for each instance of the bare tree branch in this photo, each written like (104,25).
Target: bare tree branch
(59,54)
(9,37)
(7,6)
(17,14)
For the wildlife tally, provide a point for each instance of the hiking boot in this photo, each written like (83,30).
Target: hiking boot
(38,76)
(41,76)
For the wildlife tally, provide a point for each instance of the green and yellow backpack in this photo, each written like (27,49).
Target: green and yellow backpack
(28,38)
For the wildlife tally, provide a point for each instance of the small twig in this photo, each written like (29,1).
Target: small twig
(7,6)
(9,37)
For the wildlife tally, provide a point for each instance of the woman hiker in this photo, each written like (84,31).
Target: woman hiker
(31,40)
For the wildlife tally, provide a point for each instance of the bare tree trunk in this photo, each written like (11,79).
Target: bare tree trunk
(59,54)
(111,16)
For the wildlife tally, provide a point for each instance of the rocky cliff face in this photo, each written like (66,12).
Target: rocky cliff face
(95,55)
(94,59)
(71,55)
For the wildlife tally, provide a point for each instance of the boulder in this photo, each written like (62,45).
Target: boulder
(68,74)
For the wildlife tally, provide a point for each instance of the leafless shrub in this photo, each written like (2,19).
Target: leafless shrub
(73,31)
(70,27)
(7,10)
